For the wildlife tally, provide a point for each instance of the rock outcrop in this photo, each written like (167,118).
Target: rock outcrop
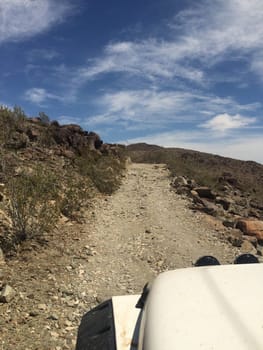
(242,217)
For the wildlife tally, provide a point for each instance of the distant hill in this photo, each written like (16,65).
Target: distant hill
(205,168)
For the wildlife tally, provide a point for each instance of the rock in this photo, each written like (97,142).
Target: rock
(42,307)
(7,294)
(191,183)
(253,213)
(182,190)
(235,237)
(2,258)
(225,202)
(228,178)
(53,317)
(179,181)
(205,192)
(209,207)
(251,228)
(33,313)
(259,250)
(251,239)
(229,223)
(248,247)
(194,194)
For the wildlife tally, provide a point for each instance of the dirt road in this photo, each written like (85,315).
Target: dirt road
(142,229)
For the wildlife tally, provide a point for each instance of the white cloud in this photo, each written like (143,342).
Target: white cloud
(20,19)
(224,122)
(39,95)
(151,108)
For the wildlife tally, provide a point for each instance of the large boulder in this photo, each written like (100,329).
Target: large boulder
(251,228)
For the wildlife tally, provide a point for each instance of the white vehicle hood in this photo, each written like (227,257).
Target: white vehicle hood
(208,308)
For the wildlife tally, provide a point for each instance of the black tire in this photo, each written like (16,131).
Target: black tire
(96,330)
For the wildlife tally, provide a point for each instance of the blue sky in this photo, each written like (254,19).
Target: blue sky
(178,73)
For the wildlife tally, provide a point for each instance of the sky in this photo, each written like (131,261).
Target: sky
(176,73)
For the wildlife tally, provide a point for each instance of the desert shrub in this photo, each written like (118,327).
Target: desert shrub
(11,124)
(7,125)
(46,138)
(33,203)
(44,118)
(76,193)
(103,170)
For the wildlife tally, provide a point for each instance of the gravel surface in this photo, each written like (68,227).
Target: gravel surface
(123,242)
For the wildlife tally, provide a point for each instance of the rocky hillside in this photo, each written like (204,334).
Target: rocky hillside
(228,189)
(48,171)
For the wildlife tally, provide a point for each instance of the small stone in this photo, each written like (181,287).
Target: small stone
(31,296)
(7,294)
(68,323)
(42,307)
(251,239)
(53,317)
(54,334)
(2,258)
(235,238)
(33,313)
(72,303)
(248,247)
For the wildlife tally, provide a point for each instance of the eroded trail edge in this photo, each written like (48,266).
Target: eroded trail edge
(141,230)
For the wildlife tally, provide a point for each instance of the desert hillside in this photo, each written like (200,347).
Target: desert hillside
(80,222)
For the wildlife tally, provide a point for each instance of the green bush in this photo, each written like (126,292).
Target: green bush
(76,193)
(33,205)
(103,170)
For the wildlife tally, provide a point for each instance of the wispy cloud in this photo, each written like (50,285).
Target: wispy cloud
(40,96)
(20,19)
(199,38)
(153,108)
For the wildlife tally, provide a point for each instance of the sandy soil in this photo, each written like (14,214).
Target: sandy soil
(124,241)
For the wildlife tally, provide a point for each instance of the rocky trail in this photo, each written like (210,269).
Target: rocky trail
(124,241)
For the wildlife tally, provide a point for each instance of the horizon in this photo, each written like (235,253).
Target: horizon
(172,73)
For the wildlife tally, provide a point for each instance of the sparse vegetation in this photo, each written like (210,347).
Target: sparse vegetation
(205,168)
(104,171)
(48,169)
(75,194)
(32,204)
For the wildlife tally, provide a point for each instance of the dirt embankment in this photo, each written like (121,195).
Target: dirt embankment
(129,237)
